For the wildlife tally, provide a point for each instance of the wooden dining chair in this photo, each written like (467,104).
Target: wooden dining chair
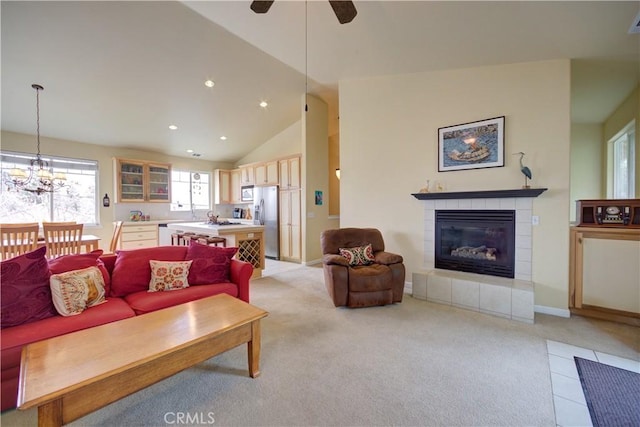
(62,239)
(18,239)
(117,230)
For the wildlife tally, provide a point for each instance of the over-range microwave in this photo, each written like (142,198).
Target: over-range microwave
(246,193)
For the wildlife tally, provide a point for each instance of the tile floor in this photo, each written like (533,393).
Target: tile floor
(568,398)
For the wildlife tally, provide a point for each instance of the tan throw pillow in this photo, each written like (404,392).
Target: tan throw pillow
(169,275)
(77,290)
(360,255)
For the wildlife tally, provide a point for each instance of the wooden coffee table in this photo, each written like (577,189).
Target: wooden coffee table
(70,376)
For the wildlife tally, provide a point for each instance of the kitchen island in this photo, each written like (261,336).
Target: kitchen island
(247,238)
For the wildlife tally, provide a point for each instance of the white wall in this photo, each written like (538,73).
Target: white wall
(285,143)
(586,164)
(388,149)
(315,177)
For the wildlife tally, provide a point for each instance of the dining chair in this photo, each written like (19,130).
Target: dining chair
(117,230)
(18,239)
(62,239)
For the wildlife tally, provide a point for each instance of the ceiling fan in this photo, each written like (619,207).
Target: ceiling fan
(345,10)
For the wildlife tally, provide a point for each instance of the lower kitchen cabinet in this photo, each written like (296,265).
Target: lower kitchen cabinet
(136,236)
(290,228)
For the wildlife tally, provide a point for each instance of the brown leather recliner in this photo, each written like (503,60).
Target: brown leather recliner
(379,283)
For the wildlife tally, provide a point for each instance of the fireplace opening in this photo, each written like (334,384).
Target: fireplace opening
(476,241)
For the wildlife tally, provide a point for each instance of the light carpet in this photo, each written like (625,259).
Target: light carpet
(409,364)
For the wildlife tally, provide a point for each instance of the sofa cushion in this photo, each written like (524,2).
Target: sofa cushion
(360,255)
(211,264)
(14,338)
(169,275)
(25,295)
(77,290)
(370,278)
(132,272)
(79,261)
(146,302)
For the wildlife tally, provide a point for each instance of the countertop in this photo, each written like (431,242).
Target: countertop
(213,229)
(182,221)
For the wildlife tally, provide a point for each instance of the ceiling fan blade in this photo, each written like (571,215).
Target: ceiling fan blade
(345,10)
(261,6)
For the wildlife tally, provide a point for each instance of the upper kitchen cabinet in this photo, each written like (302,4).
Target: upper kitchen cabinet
(247,176)
(266,173)
(236,187)
(289,173)
(141,181)
(222,186)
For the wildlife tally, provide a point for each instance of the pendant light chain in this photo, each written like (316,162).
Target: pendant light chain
(306,56)
(38,88)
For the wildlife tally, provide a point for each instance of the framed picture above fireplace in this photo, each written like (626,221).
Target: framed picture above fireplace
(472,145)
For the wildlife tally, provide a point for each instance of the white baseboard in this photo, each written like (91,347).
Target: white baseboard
(313,262)
(408,288)
(560,312)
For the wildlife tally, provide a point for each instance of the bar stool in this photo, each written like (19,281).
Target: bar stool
(186,237)
(176,238)
(213,241)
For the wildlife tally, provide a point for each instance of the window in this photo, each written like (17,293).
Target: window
(76,201)
(190,190)
(622,164)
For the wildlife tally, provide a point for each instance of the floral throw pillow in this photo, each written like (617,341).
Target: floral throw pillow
(76,290)
(360,255)
(169,275)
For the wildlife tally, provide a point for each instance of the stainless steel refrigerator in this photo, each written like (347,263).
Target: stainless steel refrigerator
(266,212)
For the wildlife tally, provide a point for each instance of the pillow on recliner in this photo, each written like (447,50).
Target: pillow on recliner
(360,255)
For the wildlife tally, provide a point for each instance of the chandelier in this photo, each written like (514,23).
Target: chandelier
(39,177)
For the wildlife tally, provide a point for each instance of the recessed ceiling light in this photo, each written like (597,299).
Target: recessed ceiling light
(209,83)
(189,150)
(264,104)
(173,127)
(224,138)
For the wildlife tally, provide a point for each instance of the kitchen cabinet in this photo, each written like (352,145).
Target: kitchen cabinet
(222,186)
(136,236)
(290,227)
(235,179)
(142,181)
(266,173)
(289,173)
(247,176)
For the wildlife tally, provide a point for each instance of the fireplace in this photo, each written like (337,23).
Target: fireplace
(476,241)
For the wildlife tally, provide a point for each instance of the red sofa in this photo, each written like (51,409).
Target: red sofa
(126,275)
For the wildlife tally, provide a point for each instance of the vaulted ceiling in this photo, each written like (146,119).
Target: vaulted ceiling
(119,73)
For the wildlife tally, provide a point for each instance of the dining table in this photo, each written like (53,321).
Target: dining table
(89,242)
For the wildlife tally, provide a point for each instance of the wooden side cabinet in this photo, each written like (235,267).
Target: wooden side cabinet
(604,273)
(141,181)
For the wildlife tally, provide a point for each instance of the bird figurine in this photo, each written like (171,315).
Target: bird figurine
(524,169)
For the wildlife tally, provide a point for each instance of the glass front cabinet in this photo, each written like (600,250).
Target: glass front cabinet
(140,181)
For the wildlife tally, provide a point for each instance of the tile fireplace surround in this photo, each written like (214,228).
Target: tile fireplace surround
(498,296)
